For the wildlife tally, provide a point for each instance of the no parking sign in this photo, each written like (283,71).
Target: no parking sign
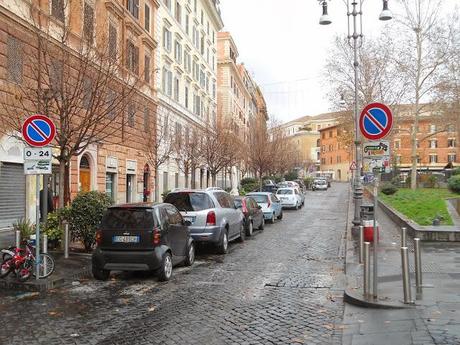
(376,121)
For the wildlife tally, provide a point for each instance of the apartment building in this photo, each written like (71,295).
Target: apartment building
(186,77)
(304,134)
(240,101)
(125,31)
(335,154)
(437,143)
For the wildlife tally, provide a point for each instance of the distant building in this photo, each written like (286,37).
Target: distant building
(335,155)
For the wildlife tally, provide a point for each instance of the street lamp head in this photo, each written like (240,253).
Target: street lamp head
(386,13)
(325,19)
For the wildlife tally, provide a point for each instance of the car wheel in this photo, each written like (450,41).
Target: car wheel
(250,229)
(165,271)
(262,225)
(280,216)
(190,259)
(272,220)
(100,274)
(222,246)
(242,237)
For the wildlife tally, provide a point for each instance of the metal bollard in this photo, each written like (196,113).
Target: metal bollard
(418,264)
(367,270)
(45,251)
(405,275)
(18,238)
(403,237)
(361,243)
(66,240)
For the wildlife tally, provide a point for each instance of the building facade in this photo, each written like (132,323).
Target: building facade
(335,155)
(116,164)
(186,78)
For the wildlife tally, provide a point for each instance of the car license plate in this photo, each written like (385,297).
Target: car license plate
(191,219)
(125,239)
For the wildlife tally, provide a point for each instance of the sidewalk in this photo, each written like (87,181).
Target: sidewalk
(76,267)
(434,318)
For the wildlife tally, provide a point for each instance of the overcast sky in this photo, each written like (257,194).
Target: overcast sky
(284,47)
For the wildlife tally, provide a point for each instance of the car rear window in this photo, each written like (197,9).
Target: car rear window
(260,199)
(128,218)
(190,201)
(284,191)
(238,202)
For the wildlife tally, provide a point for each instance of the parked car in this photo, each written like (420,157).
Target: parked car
(142,237)
(270,188)
(213,216)
(253,215)
(290,197)
(271,205)
(319,184)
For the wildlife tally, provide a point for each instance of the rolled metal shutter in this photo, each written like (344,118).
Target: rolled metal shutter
(12,193)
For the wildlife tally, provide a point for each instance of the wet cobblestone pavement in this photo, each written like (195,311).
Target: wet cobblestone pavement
(282,286)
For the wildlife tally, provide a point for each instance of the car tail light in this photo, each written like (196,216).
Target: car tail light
(98,237)
(156,236)
(211,218)
(244,209)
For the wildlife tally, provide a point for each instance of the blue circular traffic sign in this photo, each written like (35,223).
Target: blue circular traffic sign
(38,130)
(376,121)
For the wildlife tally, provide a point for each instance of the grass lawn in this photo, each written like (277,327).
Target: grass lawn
(421,205)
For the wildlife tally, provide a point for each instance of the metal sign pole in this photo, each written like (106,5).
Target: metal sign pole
(37,228)
(375,233)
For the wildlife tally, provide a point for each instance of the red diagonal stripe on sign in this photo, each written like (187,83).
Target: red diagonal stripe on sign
(45,137)
(374,121)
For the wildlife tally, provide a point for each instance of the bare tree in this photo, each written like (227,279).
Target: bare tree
(424,51)
(215,149)
(187,153)
(159,147)
(82,84)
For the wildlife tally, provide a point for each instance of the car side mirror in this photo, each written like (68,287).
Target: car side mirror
(187,223)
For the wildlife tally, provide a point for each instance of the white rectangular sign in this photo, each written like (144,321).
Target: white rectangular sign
(37,167)
(38,153)
(379,148)
(369,164)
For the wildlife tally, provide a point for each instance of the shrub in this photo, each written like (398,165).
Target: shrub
(389,189)
(308,181)
(165,194)
(454,184)
(85,215)
(52,227)
(25,227)
(431,181)
(291,176)
(249,184)
(456,172)
(248,180)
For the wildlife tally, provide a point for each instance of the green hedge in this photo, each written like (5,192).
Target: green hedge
(454,183)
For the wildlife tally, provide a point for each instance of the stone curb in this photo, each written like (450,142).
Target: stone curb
(355,299)
(351,266)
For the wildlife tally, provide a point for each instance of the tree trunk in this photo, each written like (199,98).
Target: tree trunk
(214,179)
(61,183)
(156,186)
(67,183)
(413,180)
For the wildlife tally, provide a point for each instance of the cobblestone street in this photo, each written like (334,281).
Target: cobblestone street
(282,286)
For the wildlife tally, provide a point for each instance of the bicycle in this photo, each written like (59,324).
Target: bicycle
(23,262)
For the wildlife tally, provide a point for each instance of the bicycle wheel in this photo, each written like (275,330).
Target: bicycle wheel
(46,267)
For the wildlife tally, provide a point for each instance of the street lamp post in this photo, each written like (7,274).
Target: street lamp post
(355,35)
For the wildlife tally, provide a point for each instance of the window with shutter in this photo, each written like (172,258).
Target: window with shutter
(147,69)
(88,23)
(147,18)
(57,9)
(112,41)
(14,63)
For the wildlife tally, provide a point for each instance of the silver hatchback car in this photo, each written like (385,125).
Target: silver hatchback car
(213,216)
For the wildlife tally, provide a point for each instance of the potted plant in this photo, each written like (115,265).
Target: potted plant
(25,227)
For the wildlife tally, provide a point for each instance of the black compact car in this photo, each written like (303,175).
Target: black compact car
(253,215)
(142,237)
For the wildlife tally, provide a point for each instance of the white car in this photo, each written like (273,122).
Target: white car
(319,184)
(289,197)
